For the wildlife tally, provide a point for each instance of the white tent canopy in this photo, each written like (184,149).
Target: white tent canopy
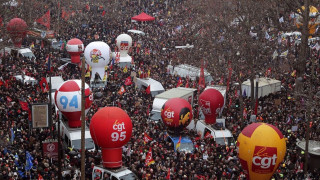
(266,86)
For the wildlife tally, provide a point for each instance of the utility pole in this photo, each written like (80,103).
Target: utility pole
(59,148)
(83,121)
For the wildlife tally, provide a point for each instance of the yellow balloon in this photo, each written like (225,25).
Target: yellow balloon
(262,148)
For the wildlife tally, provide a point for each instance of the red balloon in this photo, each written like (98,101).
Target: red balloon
(75,48)
(17,29)
(111,128)
(176,114)
(211,101)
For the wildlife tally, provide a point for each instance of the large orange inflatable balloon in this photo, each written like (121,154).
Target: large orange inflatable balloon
(262,148)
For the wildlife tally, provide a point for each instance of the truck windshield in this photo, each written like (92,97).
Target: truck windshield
(77,144)
(187,147)
(28,54)
(223,141)
(130,176)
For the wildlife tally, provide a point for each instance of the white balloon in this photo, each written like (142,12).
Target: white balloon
(97,55)
(124,43)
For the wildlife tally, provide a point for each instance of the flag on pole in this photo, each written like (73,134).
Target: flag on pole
(128,81)
(122,90)
(103,13)
(168,174)
(24,105)
(149,159)
(178,144)
(45,20)
(29,160)
(202,83)
(12,135)
(125,70)
(148,91)
(275,54)
(146,138)
(179,82)
(44,85)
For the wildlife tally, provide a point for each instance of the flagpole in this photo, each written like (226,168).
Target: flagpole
(83,121)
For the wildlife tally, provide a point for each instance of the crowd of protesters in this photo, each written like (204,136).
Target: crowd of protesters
(171,27)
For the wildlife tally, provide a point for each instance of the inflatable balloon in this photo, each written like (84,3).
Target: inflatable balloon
(17,29)
(111,128)
(97,55)
(75,48)
(68,100)
(314,19)
(124,43)
(262,148)
(176,114)
(211,101)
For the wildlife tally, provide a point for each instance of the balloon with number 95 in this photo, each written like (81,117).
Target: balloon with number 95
(111,128)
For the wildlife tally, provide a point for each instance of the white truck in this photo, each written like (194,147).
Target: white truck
(160,99)
(185,70)
(218,132)
(123,173)
(72,137)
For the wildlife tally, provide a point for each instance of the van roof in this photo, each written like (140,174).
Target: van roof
(154,85)
(118,172)
(175,92)
(24,50)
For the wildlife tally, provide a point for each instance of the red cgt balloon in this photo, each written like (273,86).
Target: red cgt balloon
(17,29)
(111,128)
(176,114)
(211,101)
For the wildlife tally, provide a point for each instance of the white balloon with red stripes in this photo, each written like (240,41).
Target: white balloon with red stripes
(68,100)
(75,48)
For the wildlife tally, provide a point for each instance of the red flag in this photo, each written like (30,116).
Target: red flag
(45,20)
(103,13)
(128,81)
(40,177)
(179,82)
(146,138)
(1,83)
(149,159)
(202,83)
(87,7)
(44,85)
(208,135)
(187,84)
(65,15)
(148,91)
(168,174)
(24,105)
(9,99)
(121,90)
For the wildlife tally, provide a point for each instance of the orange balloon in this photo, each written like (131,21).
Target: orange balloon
(262,148)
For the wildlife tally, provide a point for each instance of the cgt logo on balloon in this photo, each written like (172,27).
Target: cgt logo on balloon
(119,135)
(205,106)
(264,159)
(169,116)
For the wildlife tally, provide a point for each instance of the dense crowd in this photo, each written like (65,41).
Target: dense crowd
(209,161)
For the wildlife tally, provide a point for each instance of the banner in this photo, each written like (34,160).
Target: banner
(40,115)
(146,138)
(50,147)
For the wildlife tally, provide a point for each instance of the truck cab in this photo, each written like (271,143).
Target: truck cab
(72,137)
(123,173)
(218,132)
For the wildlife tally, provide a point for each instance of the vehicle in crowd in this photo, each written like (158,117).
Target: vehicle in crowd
(19,52)
(217,131)
(122,173)
(159,100)
(155,86)
(186,145)
(185,70)
(72,137)
(26,79)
